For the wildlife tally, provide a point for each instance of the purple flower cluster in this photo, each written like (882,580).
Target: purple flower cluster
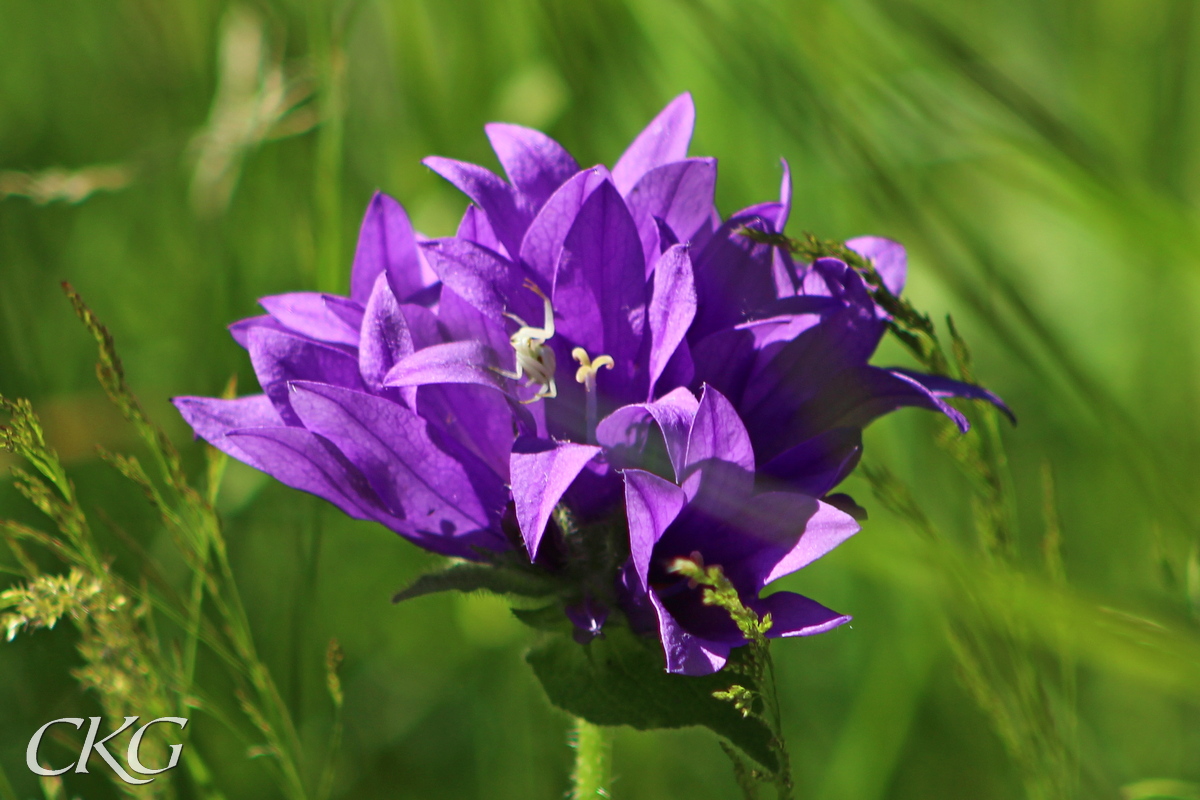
(595,363)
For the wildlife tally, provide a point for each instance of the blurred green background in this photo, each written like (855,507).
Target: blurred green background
(175,161)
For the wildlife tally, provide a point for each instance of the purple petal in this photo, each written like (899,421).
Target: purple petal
(734,274)
(718,434)
(791,531)
(889,259)
(541,471)
(385,338)
(508,218)
(324,317)
(542,245)
(483,278)
(600,287)
(860,395)
(785,196)
(211,418)
(478,417)
(664,140)
(452,362)
(678,194)
(240,330)
(796,615)
(435,493)
(651,505)
(535,164)
(308,462)
(672,307)
(386,245)
(673,413)
(941,386)
(280,358)
(816,465)
(475,227)
(687,654)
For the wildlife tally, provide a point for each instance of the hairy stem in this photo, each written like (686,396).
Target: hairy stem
(593,760)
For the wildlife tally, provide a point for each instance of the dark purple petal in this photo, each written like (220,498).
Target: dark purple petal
(651,505)
(734,274)
(941,386)
(796,615)
(477,417)
(816,465)
(857,396)
(542,245)
(686,653)
(386,245)
(600,289)
(664,140)
(508,217)
(889,259)
(452,362)
(324,317)
(678,194)
(540,472)
(672,307)
(535,164)
(436,494)
(280,358)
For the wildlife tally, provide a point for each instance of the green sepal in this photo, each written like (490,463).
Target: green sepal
(494,578)
(545,618)
(620,679)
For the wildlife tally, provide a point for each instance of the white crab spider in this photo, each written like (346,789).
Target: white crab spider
(534,359)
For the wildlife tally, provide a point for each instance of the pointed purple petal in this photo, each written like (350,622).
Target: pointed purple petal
(785,196)
(600,287)
(542,245)
(664,140)
(816,465)
(889,259)
(678,194)
(673,413)
(718,434)
(385,338)
(508,218)
(211,418)
(437,494)
(791,531)
(535,164)
(672,307)
(687,654)
(540,472)
(474,227)
(324,317)
(311,463)
(734,274)
(796,615)
(485,279)
(386,245)
(651,505)
(452,362)
(279,358)
(941,386)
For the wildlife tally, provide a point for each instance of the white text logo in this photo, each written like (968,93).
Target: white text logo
(91,744)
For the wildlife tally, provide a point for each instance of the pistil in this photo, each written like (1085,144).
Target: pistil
(586,374)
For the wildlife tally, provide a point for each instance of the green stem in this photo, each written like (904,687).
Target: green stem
(593,760)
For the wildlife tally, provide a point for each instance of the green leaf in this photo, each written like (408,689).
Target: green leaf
(620,679)
(497,579)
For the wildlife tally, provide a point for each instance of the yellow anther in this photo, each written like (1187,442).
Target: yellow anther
(586,374)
